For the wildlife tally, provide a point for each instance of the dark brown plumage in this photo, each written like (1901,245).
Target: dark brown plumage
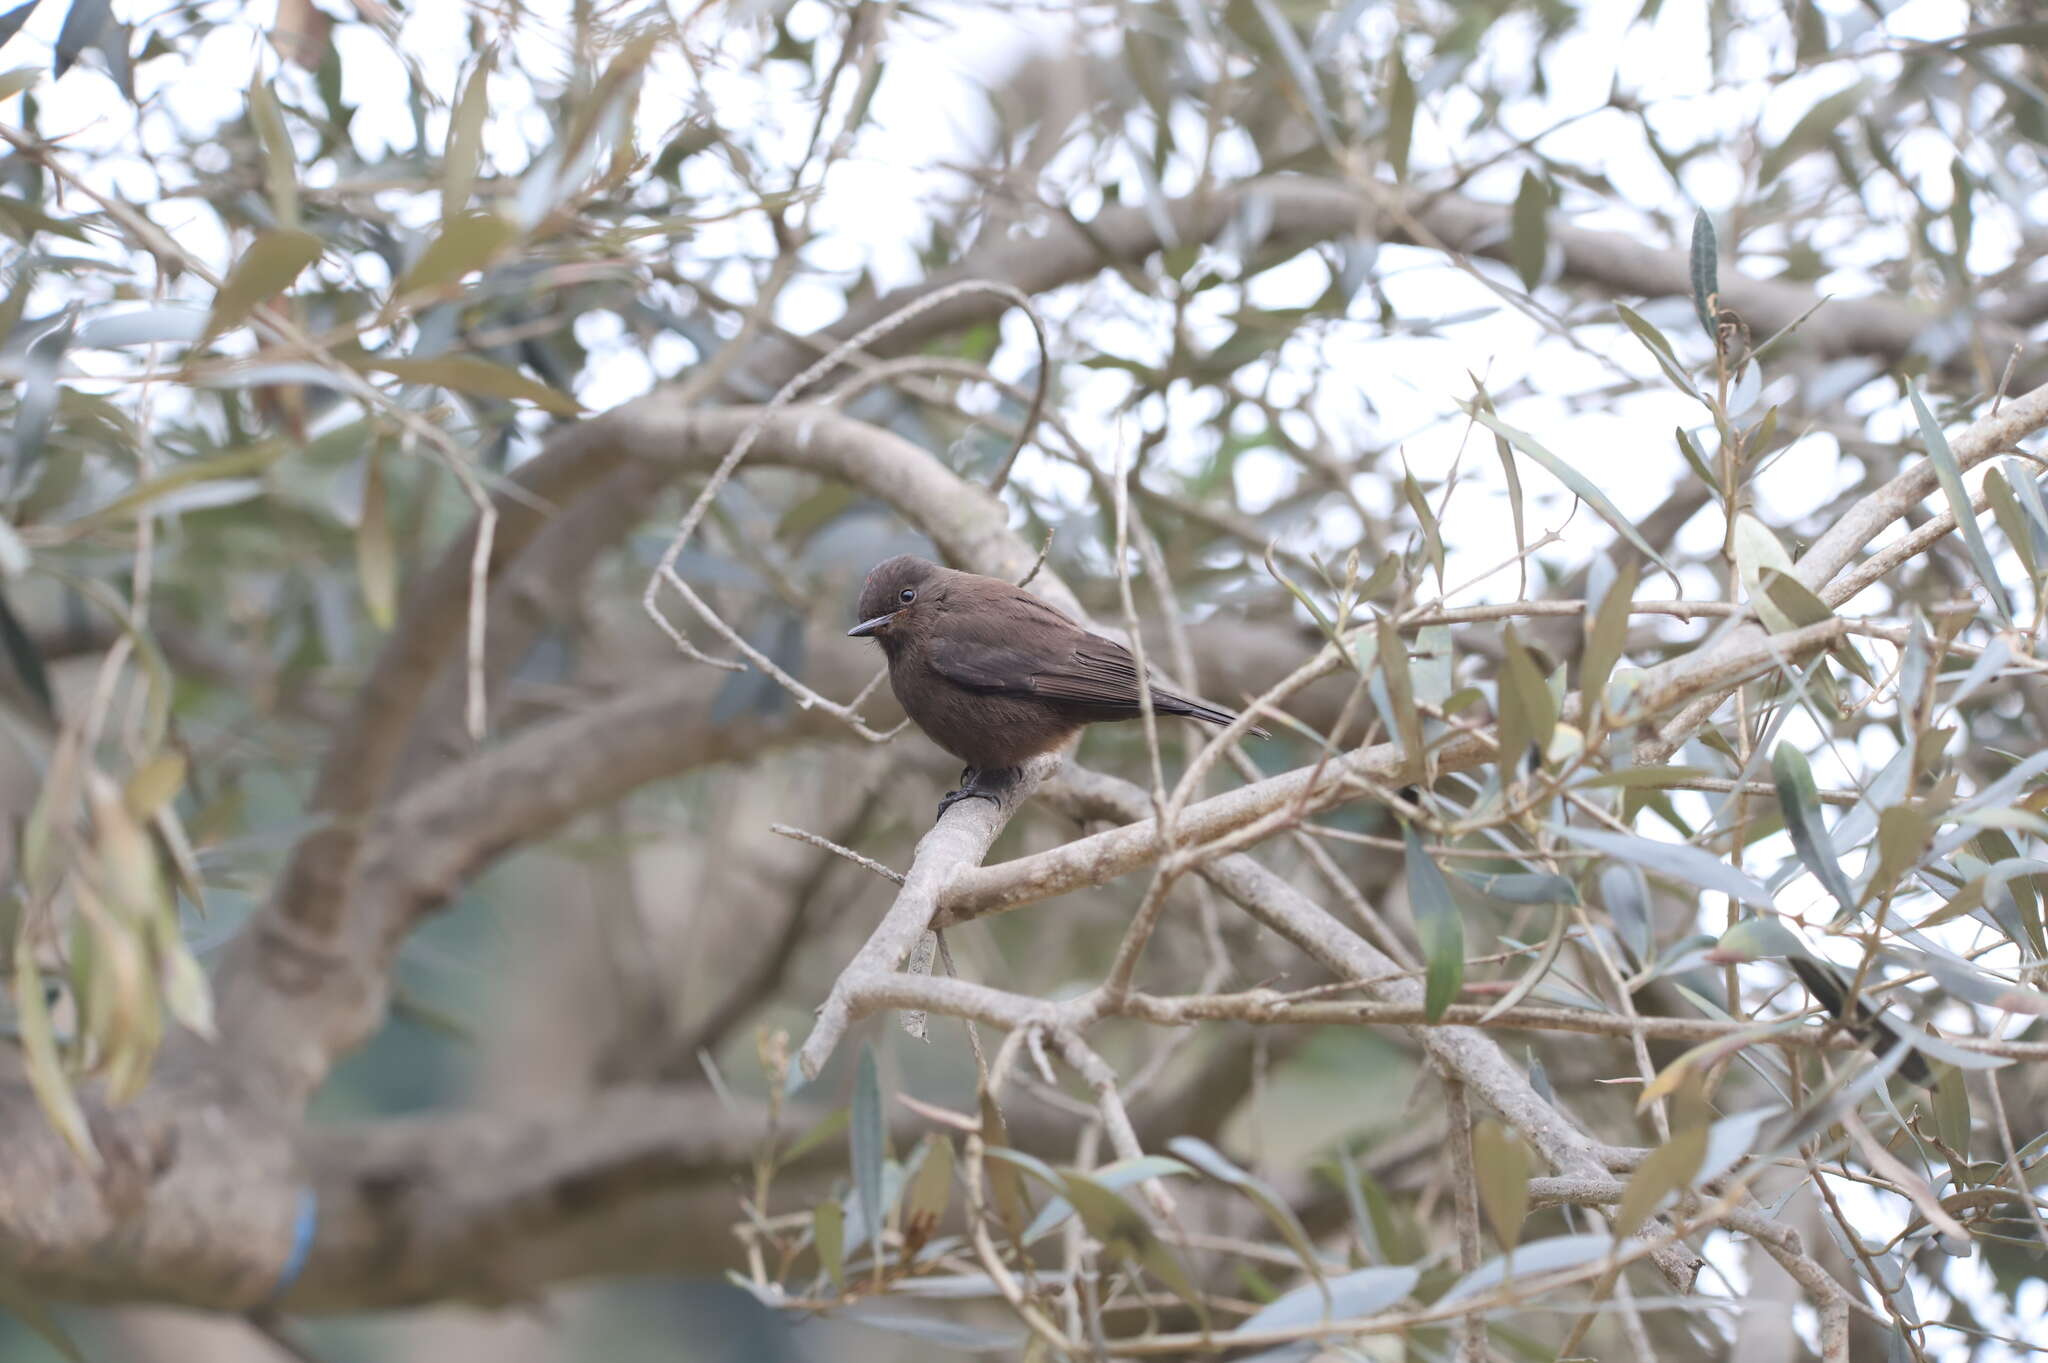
(994,675)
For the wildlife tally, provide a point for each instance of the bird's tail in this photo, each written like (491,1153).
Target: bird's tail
(1168,703)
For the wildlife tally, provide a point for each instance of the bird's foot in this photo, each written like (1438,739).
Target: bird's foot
(978,785)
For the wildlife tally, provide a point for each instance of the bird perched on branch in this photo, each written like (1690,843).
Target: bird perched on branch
(996,676)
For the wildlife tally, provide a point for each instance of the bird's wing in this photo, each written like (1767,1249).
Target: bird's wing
(1098,673)
(1068,666)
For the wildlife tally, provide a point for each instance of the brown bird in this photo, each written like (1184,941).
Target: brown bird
(994,675)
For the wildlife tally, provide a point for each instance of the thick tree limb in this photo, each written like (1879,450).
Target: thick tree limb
(957,841)
(1304,209)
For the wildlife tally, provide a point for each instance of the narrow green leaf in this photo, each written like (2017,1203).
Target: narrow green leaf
(867,1138)
(2024,486)
(1643,778)
(1577,483)
(1794,599)
(1670,1169)
(1430,665)
(1607,637)
(1706,270)
(1432,536)
(266,269)
(1959,215)
(1529,231)
(1216,1165)
(1626,894)
(468,374)
(1121,1174)
(1393,661)
(233,464)
(1553,947)
(1528,711)
(1513,476)
(1400,112)
(32,1309)
(1126,1236)
(1553,1255)
(1695,458)
(467,242)
(1300,70)
(1659,348)
(1800,799)
(154,784)
(1380,578)
(19,79)
(1676,860)
(1757,549)
(1903,835)
(2012,521)
(186,991)
(1354,1294)
(1756,938)
(280,160)
(1952,1113)
(1501,1162)
(1950,475)
(1005,1183)
(824,1129)
(465,140)
(1437,924)
(26,659)
(828,1232)
(1812,131)
(931,1188)
(1308,603)
(376,553)
(45,1069)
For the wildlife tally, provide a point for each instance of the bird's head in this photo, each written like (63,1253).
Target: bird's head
(891,596)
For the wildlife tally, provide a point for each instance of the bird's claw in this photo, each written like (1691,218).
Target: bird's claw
(972,787)
(954,797)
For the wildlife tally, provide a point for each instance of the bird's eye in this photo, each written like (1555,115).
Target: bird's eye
(907,595)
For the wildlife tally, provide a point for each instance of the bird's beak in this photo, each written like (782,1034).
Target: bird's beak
(868,627)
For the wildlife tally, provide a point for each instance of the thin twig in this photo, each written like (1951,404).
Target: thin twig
(817,840)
